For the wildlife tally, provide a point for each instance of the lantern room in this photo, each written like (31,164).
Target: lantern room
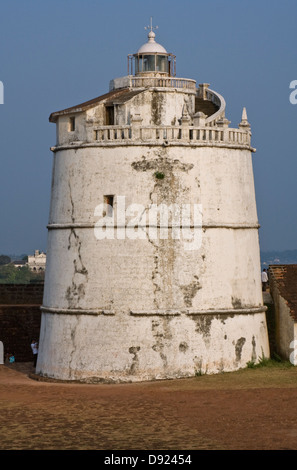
(151,58)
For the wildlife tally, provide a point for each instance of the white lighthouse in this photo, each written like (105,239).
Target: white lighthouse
(153,265)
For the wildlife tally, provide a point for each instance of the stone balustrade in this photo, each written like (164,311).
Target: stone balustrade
(172,134)
(168,82)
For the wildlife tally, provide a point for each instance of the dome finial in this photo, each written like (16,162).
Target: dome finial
(151,27)
(151,35)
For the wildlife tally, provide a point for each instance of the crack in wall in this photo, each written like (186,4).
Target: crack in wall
(74,347)
(76,291)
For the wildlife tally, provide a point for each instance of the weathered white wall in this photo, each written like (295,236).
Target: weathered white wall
(220,179)
(131,348)
(110,295)
(230,256)
(162,107)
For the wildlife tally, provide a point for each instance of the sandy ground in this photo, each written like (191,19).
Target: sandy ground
(244,410)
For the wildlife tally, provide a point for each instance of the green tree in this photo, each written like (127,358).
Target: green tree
(9,274)
(4,259)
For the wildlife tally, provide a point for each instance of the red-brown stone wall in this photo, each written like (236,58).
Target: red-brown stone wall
(20,317)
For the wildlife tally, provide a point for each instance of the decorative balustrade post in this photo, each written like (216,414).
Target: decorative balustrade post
(224,123)
(185,122)
(245,126)
(136,122)
(199,119)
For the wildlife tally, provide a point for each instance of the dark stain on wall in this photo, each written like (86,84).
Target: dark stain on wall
(190,290)
(135,360)
(157,104)
(238,348)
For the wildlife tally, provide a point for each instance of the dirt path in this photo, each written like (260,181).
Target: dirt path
(250,409)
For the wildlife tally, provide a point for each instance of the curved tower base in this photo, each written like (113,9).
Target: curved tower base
(164,346)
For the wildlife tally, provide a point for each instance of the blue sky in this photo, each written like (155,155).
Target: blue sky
(58,53)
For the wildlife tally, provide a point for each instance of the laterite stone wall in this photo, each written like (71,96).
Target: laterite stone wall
(20,318)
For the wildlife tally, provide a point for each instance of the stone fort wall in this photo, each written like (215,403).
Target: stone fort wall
(20,318)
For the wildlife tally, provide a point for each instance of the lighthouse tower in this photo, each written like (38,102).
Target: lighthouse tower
(153,266)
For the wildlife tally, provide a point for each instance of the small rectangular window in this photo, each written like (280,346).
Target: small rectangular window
(108,202)
(72,124)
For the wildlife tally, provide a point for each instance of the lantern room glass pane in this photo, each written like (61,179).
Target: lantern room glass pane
(162,63)
(149,63)
(138,64)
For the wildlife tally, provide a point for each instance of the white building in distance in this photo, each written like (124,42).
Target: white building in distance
(153,264)
(37,261)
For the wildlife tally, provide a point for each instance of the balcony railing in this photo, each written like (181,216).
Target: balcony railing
(168,82)
(171,134)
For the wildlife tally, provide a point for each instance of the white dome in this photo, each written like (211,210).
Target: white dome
(151,46)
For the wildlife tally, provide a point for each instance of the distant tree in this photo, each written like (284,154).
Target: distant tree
(9,274)
(4,259)
(23,275)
